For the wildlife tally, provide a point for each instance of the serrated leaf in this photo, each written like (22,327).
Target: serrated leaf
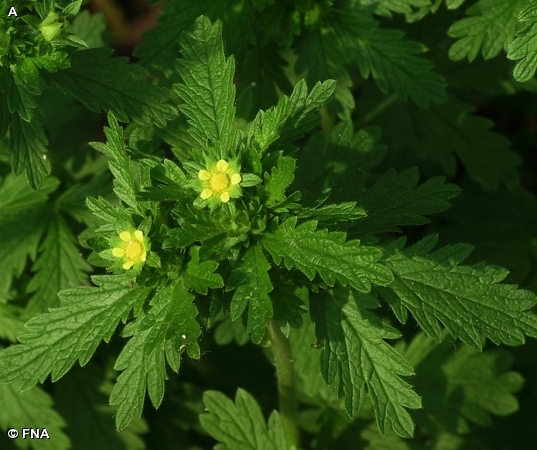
(11,322)
(168,328)
(356,356)
(393,62)
(386,7)
(32,409)
(59,266)
(279,180)
(318,251)
(292,116)
(19,98)
(55,340)
(396,200)
(470,301)
(90,28)
(253,287)
(459,383)
(490,29)
(240,424)
(201,276)
(207,90)
(523,48)
(103,83)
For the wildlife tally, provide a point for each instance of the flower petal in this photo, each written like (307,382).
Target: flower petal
(128,265)
(224,197)
(118,252)
(235,178)
(222,165)
(204,175)
(139,235)
(125,236)
(206,193)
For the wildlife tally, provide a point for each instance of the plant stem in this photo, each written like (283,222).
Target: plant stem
(377,110)
(283,360)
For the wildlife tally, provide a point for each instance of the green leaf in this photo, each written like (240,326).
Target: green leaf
(253,286)
(200,276)
(120,164)
(55,340)
(58,267)
(279,180)
(11,322)
(522,49)
(207,91)
(16,196)
(393,62)
(18,96)
(291,117)
(28,147)
(386,7)
(490,29)
(459,383)
(356,355)
(103,83)
(469,301)
(396,200)
(32,409)
(240,424)
(168,329)
(90,28)
(318,251)
(82,398)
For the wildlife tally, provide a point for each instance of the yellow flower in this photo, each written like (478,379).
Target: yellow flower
(131,248)
(219,182)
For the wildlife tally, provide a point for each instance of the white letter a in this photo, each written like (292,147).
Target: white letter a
(12,12)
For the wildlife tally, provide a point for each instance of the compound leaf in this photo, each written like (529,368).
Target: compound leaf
(523,48)
(201,276)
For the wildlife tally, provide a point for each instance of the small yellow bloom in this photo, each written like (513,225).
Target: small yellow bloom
(219,182)
(131,248)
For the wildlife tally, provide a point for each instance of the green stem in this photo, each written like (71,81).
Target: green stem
(283,360)
(377,110)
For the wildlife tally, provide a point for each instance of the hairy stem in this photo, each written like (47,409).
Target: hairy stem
(281,350)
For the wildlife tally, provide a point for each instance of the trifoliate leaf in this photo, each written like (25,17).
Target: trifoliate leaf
(356,355)
(470,301)
(32,409)
(396,200)
(207,90)
(82,398)
(292,116)
(279,179)
(459,383)
(490,29)
(168,329)
(200,276)
(240,424)
(55,340)
(393,62)
(103,83)
(253,286)
(59,266)
(523,47)
(318,251)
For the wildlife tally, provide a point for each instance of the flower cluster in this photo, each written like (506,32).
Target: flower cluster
(219,182)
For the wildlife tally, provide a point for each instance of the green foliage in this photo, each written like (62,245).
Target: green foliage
(278,158)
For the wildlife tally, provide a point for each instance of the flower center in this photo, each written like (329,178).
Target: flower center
(220,182)
(134,250)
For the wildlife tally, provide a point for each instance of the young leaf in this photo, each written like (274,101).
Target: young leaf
(469,301)
(103,83)
(253,286)
(396,200)
(32,409)
(207,90)
(356,354)
(58,267)
(522,49)
(318,251)
(459,383)
(55,340)
(490,29)
(241,424)
(200,276)
(279,179)
(168,328)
